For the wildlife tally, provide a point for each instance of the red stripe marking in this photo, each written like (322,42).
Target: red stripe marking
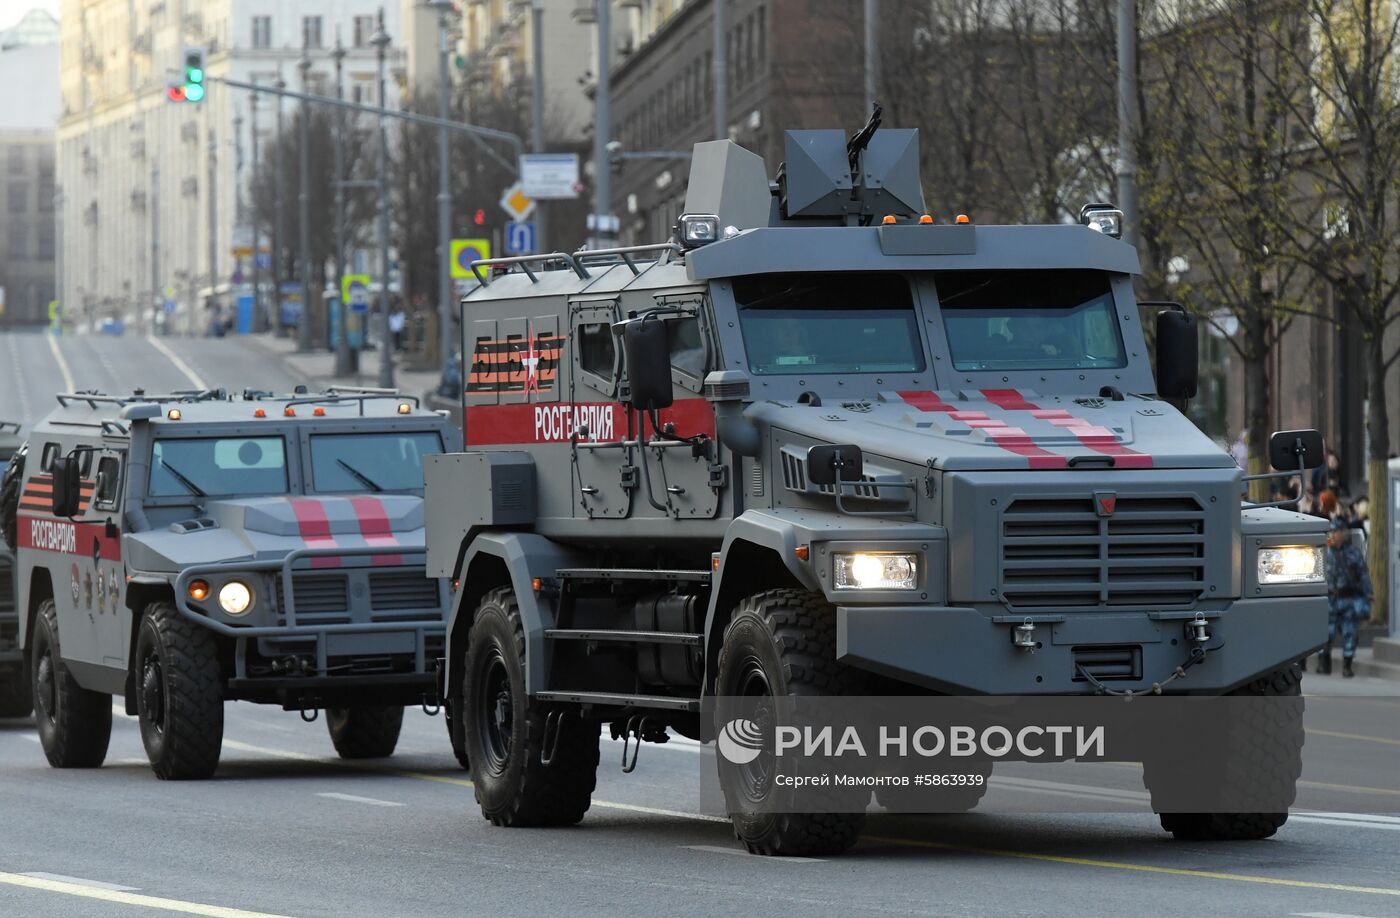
(1099,439)
(1008,399)
(315,529)
(374,526)
(1015,440)
(927,401)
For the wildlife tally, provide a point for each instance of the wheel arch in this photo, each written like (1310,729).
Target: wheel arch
(40,589)
(139,596)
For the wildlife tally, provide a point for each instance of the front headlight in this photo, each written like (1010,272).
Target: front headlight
(235,597)
(875,570)
(1293,564)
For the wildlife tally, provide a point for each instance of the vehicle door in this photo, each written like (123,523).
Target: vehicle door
(603,471)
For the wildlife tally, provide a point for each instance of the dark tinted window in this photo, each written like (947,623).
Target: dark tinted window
(686,346)
(225,466)
(807,324)
(1033,320)
(391,461)
(597,352)
(47,457)
(109,476)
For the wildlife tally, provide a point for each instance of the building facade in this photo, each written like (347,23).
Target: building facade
(28,116)
(153,194)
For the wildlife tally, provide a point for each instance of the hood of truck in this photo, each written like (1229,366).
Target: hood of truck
(1006,429)
(263,528)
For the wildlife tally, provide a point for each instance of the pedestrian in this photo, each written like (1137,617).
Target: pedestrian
(1328,475)
(1327,505)
(1360,517)
(1239,450)
(396,324)
(1348,596)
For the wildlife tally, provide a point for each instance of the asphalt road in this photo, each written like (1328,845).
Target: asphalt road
(286,828)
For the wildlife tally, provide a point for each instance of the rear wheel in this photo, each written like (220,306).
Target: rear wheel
(532,764)
(369,732)
(456,732)
(75,724)
(179,695)
(16,693)
(782,643)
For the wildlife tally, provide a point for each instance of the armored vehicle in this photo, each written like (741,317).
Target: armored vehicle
(190,549)
(819,444)
(14,683)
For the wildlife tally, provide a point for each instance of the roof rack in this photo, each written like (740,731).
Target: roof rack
(360,390)
(14,425)
(523,261)
(93,398)
(624,253)
(334,398)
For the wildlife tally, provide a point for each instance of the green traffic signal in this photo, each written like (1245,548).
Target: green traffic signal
(194,75)
(193,92)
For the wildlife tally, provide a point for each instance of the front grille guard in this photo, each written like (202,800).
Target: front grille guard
(423,630)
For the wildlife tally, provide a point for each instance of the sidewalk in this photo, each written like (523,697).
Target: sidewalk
(318,367)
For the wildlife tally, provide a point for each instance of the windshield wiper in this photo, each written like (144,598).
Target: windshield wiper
(193,488)
(359,476)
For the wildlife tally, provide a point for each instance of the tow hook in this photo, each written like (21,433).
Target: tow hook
(1023,636)
(314,712)
(1197,629)
(645,730)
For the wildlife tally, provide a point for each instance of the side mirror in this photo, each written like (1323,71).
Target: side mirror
(1178,354)
(67,486)
(648,363)
(825,463)
(1290,450)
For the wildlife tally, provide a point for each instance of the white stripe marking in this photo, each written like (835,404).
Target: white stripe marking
(716,849)
(351,798)
(68,384)
(121,897)
(1325,915)
(180,365)
(79,881)
(1347,823)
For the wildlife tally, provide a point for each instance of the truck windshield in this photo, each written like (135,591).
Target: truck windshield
(816,324)
(205,466)
(389,461)
(1032,320)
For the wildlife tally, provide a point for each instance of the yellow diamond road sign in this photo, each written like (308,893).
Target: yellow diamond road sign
(515,203)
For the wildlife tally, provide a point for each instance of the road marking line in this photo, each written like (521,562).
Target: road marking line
(79,881)
(128,898)
(716,849)
(351,798)
(1138,868)
(1325,915)
(1356,736)
(68,384)
(1345,823)
(180,365)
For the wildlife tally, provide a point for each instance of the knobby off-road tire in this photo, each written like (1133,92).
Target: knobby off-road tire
(786,638)
(179,695)
(1263,760)
(505,730)
(75,724)
(16,693)
(456,731)
(9,497)
(368,732)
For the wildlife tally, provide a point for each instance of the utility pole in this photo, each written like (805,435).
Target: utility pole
(342,340)
(1127,118)
(279,225)
(259,316)
(872,51)
(444,195)
(303,200)
(213,223)
(721,74)
(537,113)
(157,298)
(602,128)
(386,343)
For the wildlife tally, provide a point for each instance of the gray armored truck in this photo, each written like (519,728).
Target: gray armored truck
(818,443)
(190,549)
(14,684)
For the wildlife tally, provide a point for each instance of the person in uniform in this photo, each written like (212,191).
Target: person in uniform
(1348,596)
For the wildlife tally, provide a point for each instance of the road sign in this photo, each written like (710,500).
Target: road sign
(520,238)
(546,176)
(517,203)
(467,251)
(354,289)
(264,259)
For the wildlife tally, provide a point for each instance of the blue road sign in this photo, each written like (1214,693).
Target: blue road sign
(264,259)
(520,238)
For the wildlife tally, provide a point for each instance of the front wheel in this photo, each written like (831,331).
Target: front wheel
(75,724)
(782,643)
(369,732)
(532,764)
(179,695)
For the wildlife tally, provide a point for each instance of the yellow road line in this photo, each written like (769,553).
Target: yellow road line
(126,898)
(1139,868)
(180,365)
(1363,737)
(68,384)
(1351,788)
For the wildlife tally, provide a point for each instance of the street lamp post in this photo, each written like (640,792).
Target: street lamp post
(342,339)
(444,195)
(279,228)
(259,317)
(602,127)
(386,343)
(537,112)
(303,200)
(720,56)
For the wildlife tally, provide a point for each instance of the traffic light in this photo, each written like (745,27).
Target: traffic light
(479,218)
(189,87)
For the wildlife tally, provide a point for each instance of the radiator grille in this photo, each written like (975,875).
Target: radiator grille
(1058,553)
(402,590)
(317,594)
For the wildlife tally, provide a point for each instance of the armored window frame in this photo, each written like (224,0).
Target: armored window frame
(687,308)
(47,457)
(101,499)
(604,312)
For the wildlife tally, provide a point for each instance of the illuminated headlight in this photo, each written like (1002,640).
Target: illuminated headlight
(1293,564)
(875,570)
(235,598)
(1102,218)
(698,229)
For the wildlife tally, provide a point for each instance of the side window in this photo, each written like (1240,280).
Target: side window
(597,351)
(49,455)
(109,476)
(85,463)
(687,346)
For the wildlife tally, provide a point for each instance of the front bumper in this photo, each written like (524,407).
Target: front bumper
(964,650)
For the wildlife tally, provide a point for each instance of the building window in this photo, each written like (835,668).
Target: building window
(16,158)
(19,198)
(18,247)
(46,241)
(311,31)
(364,31)
(262,32)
